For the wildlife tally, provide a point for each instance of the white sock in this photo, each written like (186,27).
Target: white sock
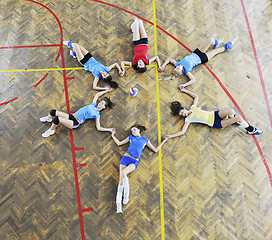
(119,194)
(244,124)
(126,190)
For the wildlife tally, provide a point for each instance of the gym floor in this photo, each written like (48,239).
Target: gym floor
(208,184)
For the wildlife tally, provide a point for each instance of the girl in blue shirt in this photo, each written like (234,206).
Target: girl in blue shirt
(199,56)
(72,121)
(129,161)
(99,71)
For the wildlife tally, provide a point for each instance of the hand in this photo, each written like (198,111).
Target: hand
(182,88)
(108,89)
(121,73)
(113,131)
(161,69)
(166,137)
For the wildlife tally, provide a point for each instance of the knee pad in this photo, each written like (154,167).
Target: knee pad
(53,112)
(56,120)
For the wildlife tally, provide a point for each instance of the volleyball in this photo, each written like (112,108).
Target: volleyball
(133,91)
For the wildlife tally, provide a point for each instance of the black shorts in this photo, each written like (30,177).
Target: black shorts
(86,58)
(141,41)
(202,56)
(75,122)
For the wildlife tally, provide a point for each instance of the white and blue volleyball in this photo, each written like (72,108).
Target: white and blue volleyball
(133,91)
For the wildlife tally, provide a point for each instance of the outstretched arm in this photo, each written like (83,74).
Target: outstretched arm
(193,95)
(149,144)
(119,143)
(183,130)
(192,79)
(95,82)
(123,63)
(118,67)
(168,60)
(157,60)
(99,128)
(96,96)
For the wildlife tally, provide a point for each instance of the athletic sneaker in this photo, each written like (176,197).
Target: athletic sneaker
(46,119)
(237,123)
(48,133)
(72,53)
(255,132)
(119,207)
(219,41)
(68,44)
(231,43)
(126,198)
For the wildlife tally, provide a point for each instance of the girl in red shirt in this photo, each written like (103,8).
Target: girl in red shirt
(140,43)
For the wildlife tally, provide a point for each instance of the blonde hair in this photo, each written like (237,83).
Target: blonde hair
(177,72)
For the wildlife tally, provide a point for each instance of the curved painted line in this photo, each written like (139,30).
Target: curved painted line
(11,100)
(213,74)
(60,54)
(41,80)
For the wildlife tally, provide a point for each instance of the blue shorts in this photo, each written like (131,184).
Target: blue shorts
(125,160)
(217,120)
(141,41)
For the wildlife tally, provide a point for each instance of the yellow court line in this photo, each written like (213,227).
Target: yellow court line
(159,126)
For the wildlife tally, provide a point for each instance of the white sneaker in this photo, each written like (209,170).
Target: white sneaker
(46,119)
(234,39)
(119,207)
(48,133)
(220,41)
(65,43)
(126,198)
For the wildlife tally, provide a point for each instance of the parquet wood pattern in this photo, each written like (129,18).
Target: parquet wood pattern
(215,183)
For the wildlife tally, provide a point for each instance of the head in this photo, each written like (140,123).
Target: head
(136,130)
(140,67)
(105,76)
(178,70)
(105,103)
(177,109)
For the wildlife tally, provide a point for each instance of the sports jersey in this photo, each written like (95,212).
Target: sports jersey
(140,54)
(136,146)
(95,67)
(87,112)
(200,116)
(189,62)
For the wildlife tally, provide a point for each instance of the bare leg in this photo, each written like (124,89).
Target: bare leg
(136,31)
(142,30)
(80,51)
(214,52)
(204,47)
(228,112)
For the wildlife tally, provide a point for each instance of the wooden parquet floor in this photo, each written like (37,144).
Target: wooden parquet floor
(216,183)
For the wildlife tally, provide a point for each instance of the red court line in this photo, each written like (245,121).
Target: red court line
(79,149)
(11,100)
(41,80)
(87,209)
(213,74)
(60,54)
(81,165)
(70,78)
(30,46)
(258,64)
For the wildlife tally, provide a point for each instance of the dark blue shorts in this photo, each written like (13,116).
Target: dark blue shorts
(125,160)
(141,41)
(217,120)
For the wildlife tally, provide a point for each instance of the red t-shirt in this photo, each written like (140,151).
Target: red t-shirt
(140,54)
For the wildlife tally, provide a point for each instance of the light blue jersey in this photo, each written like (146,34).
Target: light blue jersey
(95,67)
(87,112)
(189,62)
